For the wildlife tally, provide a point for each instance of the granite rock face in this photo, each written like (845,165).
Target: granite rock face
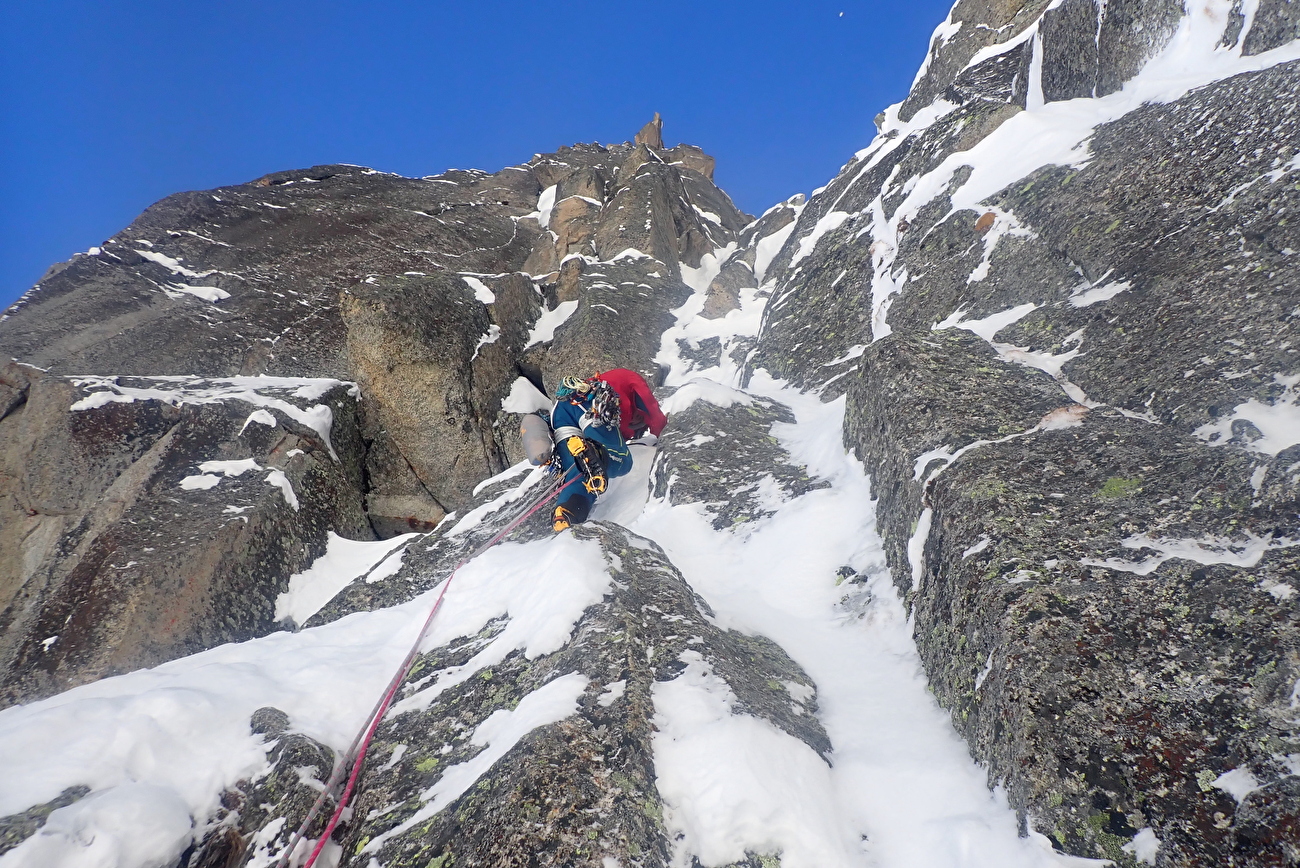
(1065,393)
(726,459)
(147,519)
(412,293)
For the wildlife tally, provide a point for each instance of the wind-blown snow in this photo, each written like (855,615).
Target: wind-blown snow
(258,391)
(1237,783)
(899,774)
(808,243)
(768,248)
(1207,550)
(1144,846)
(1049,363)
(481,291)
(207,293)
(1088,294)
(230,468)
(545,205)
(172,265)
(989,325)
(492,335)
(700,277)
(344,561)
(157,747)
(544,329)
(732,782)
(1278,422)
(132,824)
(524,398)
(260,417)
(701,389)
(277,478)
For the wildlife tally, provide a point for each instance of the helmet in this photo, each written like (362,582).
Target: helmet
(569,385)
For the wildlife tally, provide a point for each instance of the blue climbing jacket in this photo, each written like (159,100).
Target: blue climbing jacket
(570,417)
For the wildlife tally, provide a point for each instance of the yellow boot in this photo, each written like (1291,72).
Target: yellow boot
(589,461)
(561,521)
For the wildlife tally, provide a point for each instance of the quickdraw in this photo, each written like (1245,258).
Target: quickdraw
(604,404)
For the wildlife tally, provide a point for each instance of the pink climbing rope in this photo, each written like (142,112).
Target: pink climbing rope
(361,743)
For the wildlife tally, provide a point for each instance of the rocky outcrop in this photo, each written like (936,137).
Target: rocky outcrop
(651,135)
(19,827)
(411,292)
(622,222)
(1066,363)
(531,800)
(297,768)
(726,459)
(1063,390)
(146,519)
(579,789)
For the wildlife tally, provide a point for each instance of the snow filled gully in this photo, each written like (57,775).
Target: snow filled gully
(900,788)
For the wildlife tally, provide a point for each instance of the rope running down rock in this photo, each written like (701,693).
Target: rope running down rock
(361,743)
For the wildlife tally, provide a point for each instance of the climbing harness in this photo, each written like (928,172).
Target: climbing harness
(355,756)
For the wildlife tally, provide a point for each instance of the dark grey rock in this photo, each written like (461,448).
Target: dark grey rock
(1105,689)
(624,307)
(727,459)
(1277,22)
(1089,49)
(1108,700)
(1070,50)
(269,721)
(17,828)
(298,767)
(110,565)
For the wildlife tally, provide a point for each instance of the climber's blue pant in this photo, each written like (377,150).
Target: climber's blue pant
(576,498)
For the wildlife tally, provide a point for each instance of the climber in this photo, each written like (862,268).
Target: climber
(585,420)
(638,410)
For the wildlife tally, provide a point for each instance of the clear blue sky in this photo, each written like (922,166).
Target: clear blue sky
(108,107)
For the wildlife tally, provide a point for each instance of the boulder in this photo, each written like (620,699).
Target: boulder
(724,290)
